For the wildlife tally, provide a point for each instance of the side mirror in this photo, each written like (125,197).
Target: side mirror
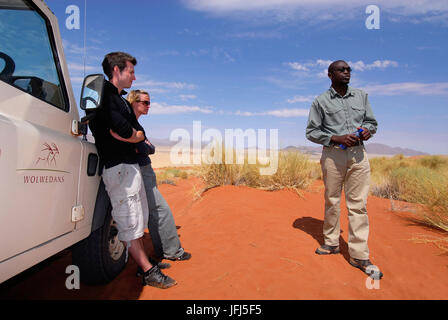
(92,92)
(91,98)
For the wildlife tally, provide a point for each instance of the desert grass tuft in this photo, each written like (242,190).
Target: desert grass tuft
(439,242)
(422,180)
(170,175)
(294,171)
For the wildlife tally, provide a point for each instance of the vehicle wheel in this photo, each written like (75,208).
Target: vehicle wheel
(100,257)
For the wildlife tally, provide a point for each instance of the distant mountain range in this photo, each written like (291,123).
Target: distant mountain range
(378,148)
(372,148)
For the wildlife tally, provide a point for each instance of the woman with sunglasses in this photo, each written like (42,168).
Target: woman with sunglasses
(161,224)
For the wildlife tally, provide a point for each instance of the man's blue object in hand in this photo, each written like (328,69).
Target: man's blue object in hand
(358,133)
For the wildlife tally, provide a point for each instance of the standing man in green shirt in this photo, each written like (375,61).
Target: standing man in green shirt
(334,118)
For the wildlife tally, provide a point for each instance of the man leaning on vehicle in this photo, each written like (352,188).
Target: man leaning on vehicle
(121,175)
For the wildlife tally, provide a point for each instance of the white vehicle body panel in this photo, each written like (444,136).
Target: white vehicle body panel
(43,170)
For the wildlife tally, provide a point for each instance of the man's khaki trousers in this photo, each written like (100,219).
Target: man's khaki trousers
(350,169)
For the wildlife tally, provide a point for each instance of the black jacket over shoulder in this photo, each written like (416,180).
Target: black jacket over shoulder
(116,114)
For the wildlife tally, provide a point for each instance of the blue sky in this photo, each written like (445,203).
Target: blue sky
(259,63)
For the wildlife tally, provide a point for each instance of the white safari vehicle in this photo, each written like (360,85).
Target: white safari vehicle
(51,194)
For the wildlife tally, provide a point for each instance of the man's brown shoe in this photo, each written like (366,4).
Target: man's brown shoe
(367,267)
(154,277)
(325,249)
(185,256)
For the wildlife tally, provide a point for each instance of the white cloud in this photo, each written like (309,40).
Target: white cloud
(80,67)
(358,65)
(311,67)
(323,73)
(220,52)
(246,113)
(436,10)
(162,86)
(296,99)
(286,113)
(198,53)
(185,97)
(77,50)
(280,113)
(298,66)
(228,6)
(161,108)
(167,53)
(316,66)
(215,52)
(77,80)
(323,63)
(189,32)
(362,66)
(255,35)
(401,88)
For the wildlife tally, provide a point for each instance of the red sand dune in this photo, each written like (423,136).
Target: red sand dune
(253,244)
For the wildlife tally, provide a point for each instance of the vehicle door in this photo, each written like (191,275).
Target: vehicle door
(39,158)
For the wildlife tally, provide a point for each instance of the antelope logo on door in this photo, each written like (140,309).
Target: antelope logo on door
(45,167)
(49,153)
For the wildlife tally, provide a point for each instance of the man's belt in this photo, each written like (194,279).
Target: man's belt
(357,143)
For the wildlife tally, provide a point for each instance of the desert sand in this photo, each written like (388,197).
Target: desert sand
(254,244)
(161,159)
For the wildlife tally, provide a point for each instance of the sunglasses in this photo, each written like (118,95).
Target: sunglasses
(343,69)
(146,103)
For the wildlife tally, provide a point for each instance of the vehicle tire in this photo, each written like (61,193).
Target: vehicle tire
(101,256)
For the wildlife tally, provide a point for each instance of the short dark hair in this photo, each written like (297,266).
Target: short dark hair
(116,59)
(331,66)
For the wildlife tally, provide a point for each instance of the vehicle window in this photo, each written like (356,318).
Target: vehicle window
(26,54)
